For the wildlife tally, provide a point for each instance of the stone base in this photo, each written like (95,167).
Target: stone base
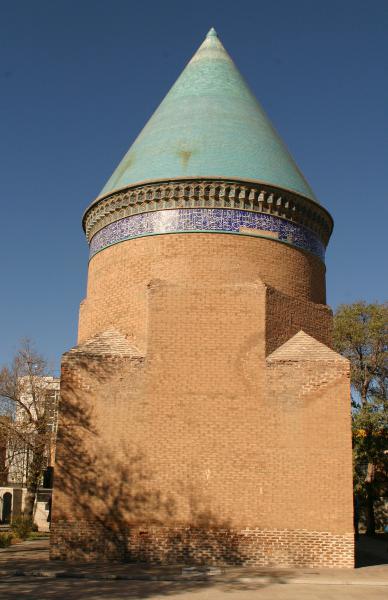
(163,545)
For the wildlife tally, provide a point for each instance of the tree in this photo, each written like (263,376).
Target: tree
(25,393)
(361,334)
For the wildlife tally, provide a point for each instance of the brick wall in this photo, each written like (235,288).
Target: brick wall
(204,444)
(118,276)
(190,545)
(309,424)
(286,315)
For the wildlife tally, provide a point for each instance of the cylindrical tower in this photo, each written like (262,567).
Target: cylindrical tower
(203,375)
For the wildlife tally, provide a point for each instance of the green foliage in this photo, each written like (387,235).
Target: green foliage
(5,540)
(370,443)
(361,334)
(22,527)
(38,535)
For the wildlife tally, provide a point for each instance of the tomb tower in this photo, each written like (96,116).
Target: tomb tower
(204,416)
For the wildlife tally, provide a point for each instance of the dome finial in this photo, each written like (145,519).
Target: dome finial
(212,33)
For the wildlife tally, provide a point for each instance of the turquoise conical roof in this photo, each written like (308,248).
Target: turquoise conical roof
(209,125)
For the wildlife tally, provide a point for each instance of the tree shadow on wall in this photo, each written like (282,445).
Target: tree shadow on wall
(98,493)
(209,540)
(116,513)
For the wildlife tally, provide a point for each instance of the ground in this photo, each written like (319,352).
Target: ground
(25,571)
(16,589)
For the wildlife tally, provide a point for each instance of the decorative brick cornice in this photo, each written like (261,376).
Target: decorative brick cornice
(207,193)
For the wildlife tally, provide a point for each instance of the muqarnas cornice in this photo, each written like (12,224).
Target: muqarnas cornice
(208,193)
(255,206)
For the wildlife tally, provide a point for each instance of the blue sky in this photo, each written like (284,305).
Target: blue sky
(79,79)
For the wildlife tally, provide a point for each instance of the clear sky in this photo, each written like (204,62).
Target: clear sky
(79,79)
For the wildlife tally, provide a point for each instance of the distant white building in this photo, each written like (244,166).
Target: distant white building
(18,455)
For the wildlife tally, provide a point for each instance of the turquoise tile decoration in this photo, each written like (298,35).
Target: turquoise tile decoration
(209,125)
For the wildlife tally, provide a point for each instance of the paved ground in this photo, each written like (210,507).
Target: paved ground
(26,572)
(57,589)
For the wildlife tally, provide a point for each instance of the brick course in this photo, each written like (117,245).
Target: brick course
(190,545)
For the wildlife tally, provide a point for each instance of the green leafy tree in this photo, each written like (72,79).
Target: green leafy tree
(361,335)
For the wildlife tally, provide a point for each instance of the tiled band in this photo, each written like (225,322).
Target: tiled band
(238,222)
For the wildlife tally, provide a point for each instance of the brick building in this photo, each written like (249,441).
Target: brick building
(204,416)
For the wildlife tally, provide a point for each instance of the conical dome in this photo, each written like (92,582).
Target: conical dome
(208,160)
(209,125)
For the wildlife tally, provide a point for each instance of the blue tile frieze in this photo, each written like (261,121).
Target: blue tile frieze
(184,220)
